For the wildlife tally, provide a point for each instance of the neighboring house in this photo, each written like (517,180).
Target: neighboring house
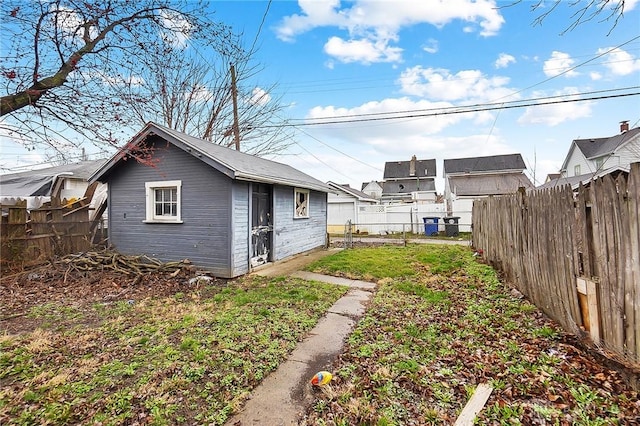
(552,176)
(373,189)
(224,210)
(585,179)
(409,181)
(468,179)
(38,186)
(345,203)
(589,156)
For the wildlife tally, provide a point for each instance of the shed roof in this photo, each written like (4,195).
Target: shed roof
(493,163)
(402,169)
(235,164)
(39,182)
(488,184)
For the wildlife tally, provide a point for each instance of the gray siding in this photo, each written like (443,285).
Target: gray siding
(204,235)
(293,236)
(240,225)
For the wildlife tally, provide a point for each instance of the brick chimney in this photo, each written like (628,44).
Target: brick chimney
(412,166)
(624,126)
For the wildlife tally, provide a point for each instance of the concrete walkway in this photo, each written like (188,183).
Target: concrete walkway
(284,395)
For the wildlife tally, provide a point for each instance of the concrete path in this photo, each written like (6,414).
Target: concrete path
(283,397)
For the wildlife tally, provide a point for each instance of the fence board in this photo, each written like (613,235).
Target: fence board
(544,240)
(40,233)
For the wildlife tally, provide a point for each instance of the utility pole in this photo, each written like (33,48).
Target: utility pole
(234,94)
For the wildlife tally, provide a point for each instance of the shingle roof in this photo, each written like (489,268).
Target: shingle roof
(401,169)
(346,188)
(492,163)
(39,182)
(235,164)
(575,181)
(593,148)
(488,184)
(406,186)
(365,184)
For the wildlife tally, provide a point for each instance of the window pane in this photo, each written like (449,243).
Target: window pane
(166,201)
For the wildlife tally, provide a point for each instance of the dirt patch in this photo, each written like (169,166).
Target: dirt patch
(81,290)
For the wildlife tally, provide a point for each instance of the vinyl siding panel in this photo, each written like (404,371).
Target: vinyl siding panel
(293,236)
(204,235)
(628,153)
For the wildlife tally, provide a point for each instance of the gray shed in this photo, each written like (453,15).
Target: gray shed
(224,210)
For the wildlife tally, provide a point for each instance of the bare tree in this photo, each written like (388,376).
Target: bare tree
(66,63)
(195,96)
(583,11)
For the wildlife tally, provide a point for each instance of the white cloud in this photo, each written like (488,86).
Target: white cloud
(466,85)
(504,60)
(120,80)
(595,76)
(259,97)
(71,24)
(620,62)
(554,114)
(373,25)
(559,63)
(431,46)
(365,51)
(177,28)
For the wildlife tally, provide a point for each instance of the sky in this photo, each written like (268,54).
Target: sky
(421,60)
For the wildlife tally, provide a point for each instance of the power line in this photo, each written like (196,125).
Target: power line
(461,110)
(477,105)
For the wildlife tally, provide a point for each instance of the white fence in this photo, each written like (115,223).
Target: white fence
(390,219)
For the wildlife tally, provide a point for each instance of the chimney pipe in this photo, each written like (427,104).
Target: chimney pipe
(624,126)
(412,166)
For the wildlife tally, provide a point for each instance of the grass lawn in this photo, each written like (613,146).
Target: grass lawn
(440,324)
(191,358)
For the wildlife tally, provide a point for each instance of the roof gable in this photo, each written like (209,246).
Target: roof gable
(351,191)
(599,147)
(235,164)
(402,169)
(593,148)
(493,163)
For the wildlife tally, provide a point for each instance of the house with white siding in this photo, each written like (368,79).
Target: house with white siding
(591,156)
(173,196)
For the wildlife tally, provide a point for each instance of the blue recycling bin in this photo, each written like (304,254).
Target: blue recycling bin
(430,225)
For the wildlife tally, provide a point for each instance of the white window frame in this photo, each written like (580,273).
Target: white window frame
(150,190)
(297,214)
(576,170)
(600,163)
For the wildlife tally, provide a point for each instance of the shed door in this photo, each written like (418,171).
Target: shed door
(261,224)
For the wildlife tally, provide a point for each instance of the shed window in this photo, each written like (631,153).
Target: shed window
(301,203)
(163,201)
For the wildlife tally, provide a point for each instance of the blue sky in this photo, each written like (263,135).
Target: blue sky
(336,59)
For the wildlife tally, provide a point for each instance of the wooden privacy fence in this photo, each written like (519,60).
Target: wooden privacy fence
(575,255)
(57,228)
